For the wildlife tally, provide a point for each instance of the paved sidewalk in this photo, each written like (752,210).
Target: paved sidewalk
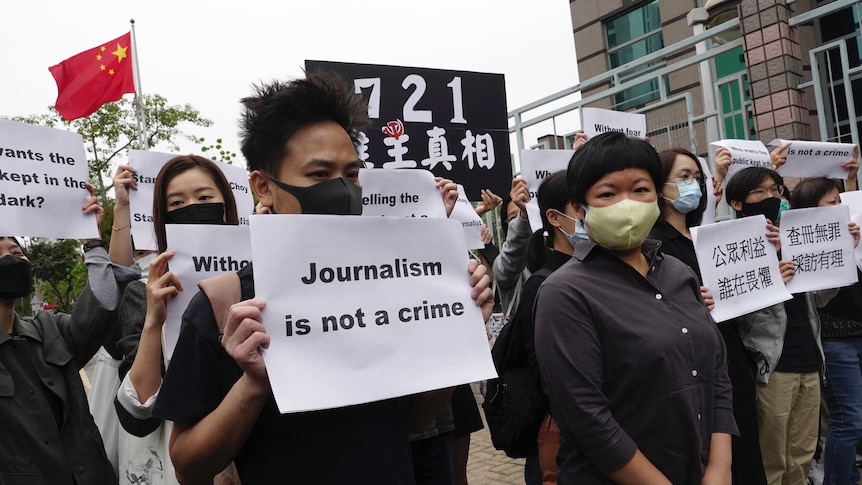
(487,466)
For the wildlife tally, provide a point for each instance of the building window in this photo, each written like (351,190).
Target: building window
(843,25)
(737,117)
(632,36)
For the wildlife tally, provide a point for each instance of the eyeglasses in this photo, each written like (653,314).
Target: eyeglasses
(762,192)
(689,179)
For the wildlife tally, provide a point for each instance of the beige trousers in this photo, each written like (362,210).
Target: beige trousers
(788,412)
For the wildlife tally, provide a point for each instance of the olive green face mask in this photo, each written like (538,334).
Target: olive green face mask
(620,226)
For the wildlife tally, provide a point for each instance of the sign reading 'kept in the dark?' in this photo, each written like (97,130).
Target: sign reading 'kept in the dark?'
(452,123)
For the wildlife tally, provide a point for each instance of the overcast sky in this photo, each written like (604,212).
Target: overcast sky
(208,53)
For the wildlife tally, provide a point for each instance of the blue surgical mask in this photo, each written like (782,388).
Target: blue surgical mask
(785,205)
(580,233)
(689,196)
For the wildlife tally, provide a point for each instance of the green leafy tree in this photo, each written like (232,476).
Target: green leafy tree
(217,153)
(58,269)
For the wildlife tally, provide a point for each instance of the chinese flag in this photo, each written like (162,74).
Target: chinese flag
(92,78)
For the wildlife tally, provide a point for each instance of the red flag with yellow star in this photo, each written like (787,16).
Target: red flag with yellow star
(92,78)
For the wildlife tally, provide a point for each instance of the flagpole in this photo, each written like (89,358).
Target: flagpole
(139,95)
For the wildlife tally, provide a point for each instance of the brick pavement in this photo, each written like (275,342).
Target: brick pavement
(487,466)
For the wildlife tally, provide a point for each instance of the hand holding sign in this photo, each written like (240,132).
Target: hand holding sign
(800,158)
(744,154)
(161,285)
(722,164)
(481,292)
(740,267)
(520,195)
(399,303)
(490,200)
(778,155)
(449,192)
(91,206)
(124,181)
(852,167)
(244,339)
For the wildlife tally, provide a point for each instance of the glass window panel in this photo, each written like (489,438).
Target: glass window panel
(633,24)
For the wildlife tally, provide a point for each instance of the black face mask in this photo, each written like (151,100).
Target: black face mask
(16,277)
(769,207)
(338,196)
(197,214)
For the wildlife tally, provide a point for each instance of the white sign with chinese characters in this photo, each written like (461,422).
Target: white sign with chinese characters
(368,317)
(739,266)
(536,166)
(400,193)
(470,221)
(147,165)
(598,121)
(820,245)
(744,154)
(814,158)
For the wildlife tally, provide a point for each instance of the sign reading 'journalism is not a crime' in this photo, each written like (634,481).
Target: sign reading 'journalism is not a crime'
(453,123)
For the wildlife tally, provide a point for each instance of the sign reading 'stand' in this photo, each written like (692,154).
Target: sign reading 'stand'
(147,165)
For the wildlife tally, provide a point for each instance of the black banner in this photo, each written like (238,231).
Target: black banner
(453,123)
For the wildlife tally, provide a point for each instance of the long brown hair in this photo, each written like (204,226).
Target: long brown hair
(176,166)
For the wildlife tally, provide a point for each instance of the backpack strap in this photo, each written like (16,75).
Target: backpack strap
(223,291)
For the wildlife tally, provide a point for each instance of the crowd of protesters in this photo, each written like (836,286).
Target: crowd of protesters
(641,385)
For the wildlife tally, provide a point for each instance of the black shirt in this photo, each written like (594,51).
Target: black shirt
(356,444)
(800,352)
(631,362)
(676,244)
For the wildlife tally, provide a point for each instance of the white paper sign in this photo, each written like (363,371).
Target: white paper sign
(598,121)
(202,251)
(400,193)
(744,154)
(709,212)
(536,166)
(470,221)
(147,165)
(853,200)
(814,158)
(42,176)
(739,266)
(365,308)
(820,245)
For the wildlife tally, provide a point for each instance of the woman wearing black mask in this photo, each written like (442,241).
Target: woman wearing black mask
(783,340)
(188,190)
(47,434)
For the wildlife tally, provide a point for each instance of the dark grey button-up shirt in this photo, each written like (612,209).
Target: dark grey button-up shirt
(631,362)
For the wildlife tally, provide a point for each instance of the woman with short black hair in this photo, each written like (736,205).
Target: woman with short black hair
(632,363)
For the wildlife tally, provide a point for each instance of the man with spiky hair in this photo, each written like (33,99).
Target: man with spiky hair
(299,139)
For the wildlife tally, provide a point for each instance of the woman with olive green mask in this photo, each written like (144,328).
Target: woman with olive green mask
(632,363)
